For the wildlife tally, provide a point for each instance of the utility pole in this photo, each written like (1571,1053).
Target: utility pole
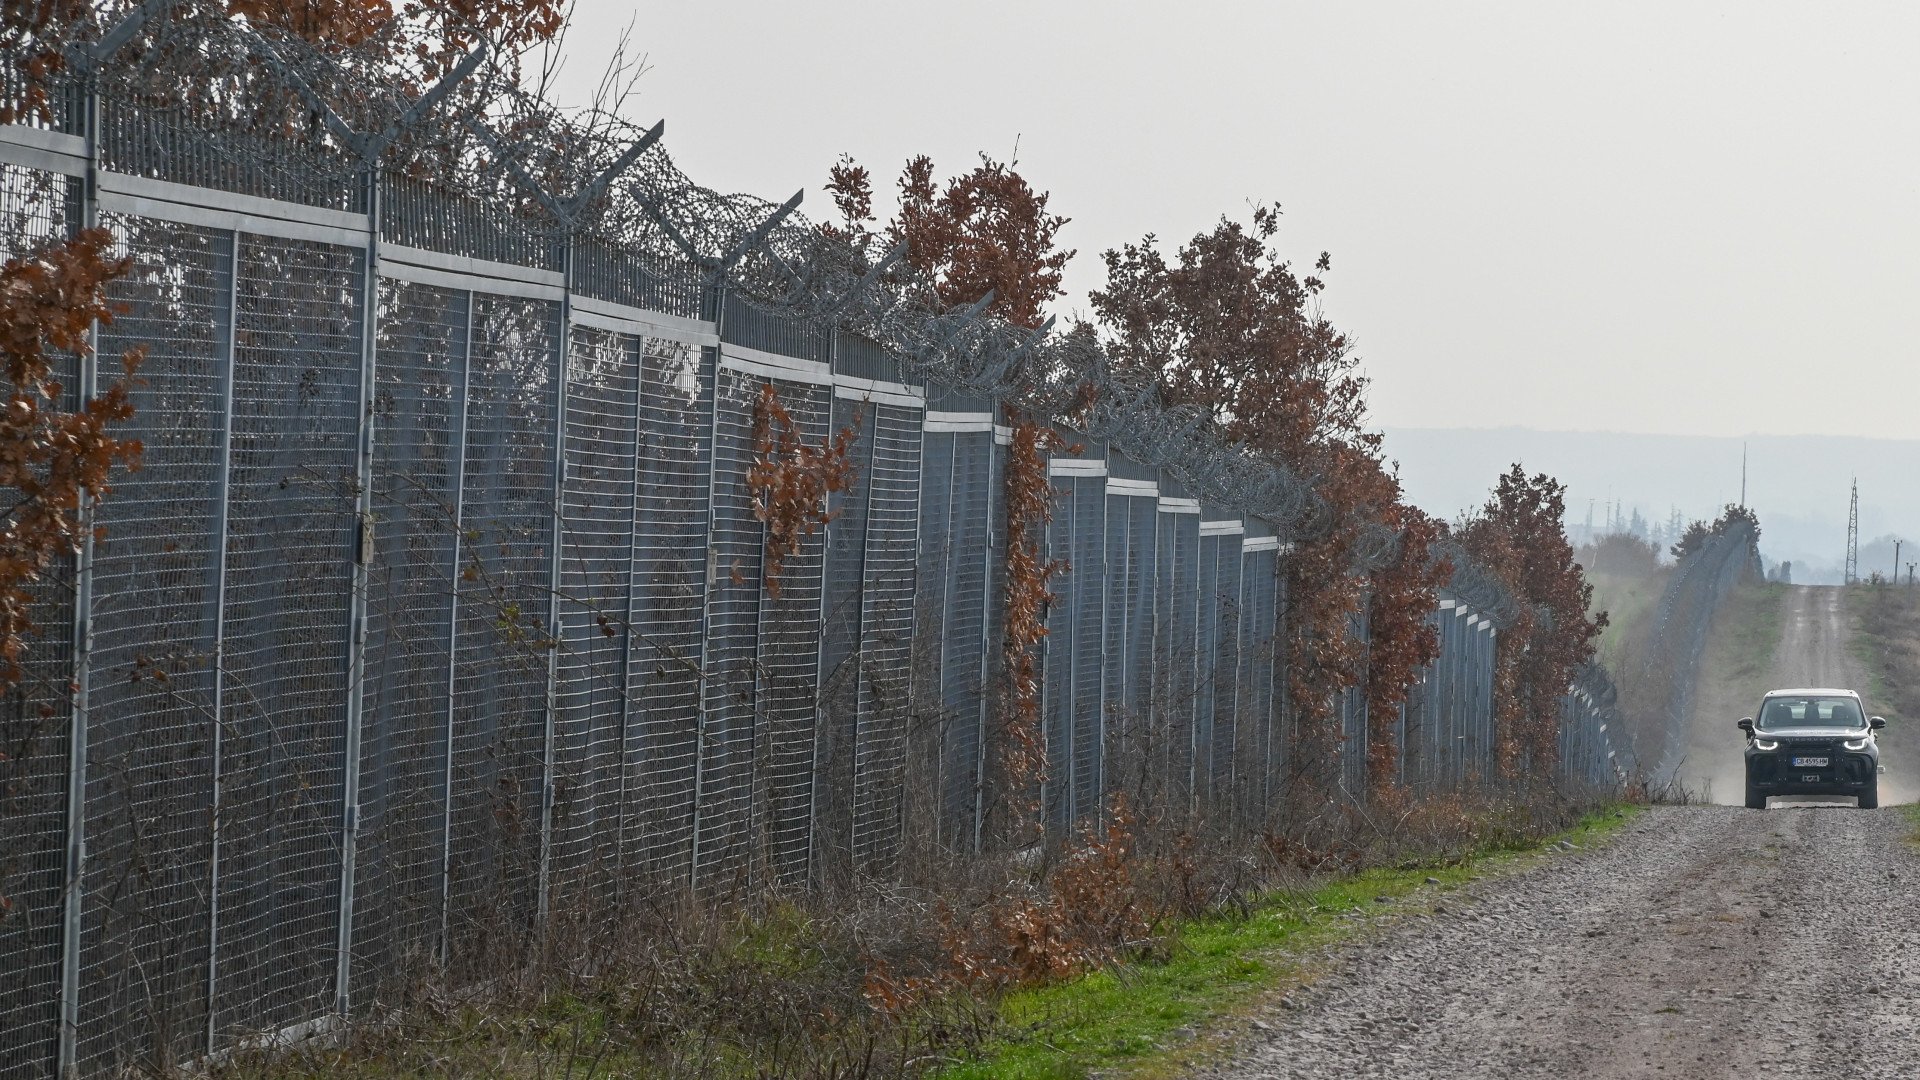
(1743,476)
(1909,574)
(1896,562)
(1852,573)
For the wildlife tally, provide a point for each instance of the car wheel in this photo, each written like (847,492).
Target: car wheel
(1870,796)
(1755,800)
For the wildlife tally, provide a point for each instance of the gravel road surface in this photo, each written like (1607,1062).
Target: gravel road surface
(1813,651)
(1703,941)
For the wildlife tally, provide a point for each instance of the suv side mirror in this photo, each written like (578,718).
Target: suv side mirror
(1876,722)
(1746,724)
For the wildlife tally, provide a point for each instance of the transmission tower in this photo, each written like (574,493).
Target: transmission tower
(1852,576)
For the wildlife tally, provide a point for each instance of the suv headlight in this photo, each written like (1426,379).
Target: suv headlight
(1765,744)
(1855,744)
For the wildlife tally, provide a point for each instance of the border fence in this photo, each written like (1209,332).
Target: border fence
(1665,681)
(439,604)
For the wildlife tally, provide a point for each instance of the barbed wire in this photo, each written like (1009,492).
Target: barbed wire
(547,175)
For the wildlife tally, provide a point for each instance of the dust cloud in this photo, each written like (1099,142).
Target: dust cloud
(1812,651)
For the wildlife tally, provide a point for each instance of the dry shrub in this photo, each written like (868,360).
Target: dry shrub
(1029,502)
(790,481)
(1084,912)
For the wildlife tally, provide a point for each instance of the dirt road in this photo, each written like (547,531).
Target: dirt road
(1703,941)
(1813,651)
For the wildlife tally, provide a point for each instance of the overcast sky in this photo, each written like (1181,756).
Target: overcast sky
(1677,218)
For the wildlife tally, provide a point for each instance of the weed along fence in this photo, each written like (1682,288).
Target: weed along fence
(442,608)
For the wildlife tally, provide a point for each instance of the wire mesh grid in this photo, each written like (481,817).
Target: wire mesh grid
(842,621)
(670,582)
(886,638)
(34,732)
(1223,676)
(423,214)
(702,729)
(724,778)
(783,750)
(423,335)
(155,618)
(500,639)
(968,644)
(1056,664)
(1176,673)
(601,448)
(933,811)
(168,142)
(1259,614)
(1126,699)
(1089,551)
(291,527)
(1206,649)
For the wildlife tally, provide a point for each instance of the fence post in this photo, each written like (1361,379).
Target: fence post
(714,293)
(459,464)
(86,104)
(548,735)
(357,598)
(220,628)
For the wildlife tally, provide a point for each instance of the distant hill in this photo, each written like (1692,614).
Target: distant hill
(1797,483)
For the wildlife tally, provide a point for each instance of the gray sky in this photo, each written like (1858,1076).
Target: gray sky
(1678,218)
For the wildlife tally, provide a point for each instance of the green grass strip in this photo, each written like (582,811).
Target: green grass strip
(1125,1018)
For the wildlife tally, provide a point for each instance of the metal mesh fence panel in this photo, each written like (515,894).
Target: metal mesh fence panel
(421,214)
(784,752)
(608,271)
(993,805)
(1089,544)
(887,628)
(1176,631)
(576,672)
(34,748)
(170,144)
(291,528)
(843,615)
(967,645)
(1120,739)
(500,643)
(400,854)
(725,767)
(669,578)
(934,722)
(1131,588)
(1259,596)
(597,551)
(149,826)
(1206,647)
(1224,674)
(1056,666)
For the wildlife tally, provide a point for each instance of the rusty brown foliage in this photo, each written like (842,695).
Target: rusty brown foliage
(985,230)
(1029,502)
(791,481)
(32,33)
(1230,326)
(53,461)
(1086,913)
(1401,640)
(1519,535)
(433,34)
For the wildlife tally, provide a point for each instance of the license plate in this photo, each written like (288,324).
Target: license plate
(1809,763)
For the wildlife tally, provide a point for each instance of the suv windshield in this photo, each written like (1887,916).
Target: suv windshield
(1823,712)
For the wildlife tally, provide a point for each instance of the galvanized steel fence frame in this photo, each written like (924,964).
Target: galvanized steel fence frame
(438,612)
